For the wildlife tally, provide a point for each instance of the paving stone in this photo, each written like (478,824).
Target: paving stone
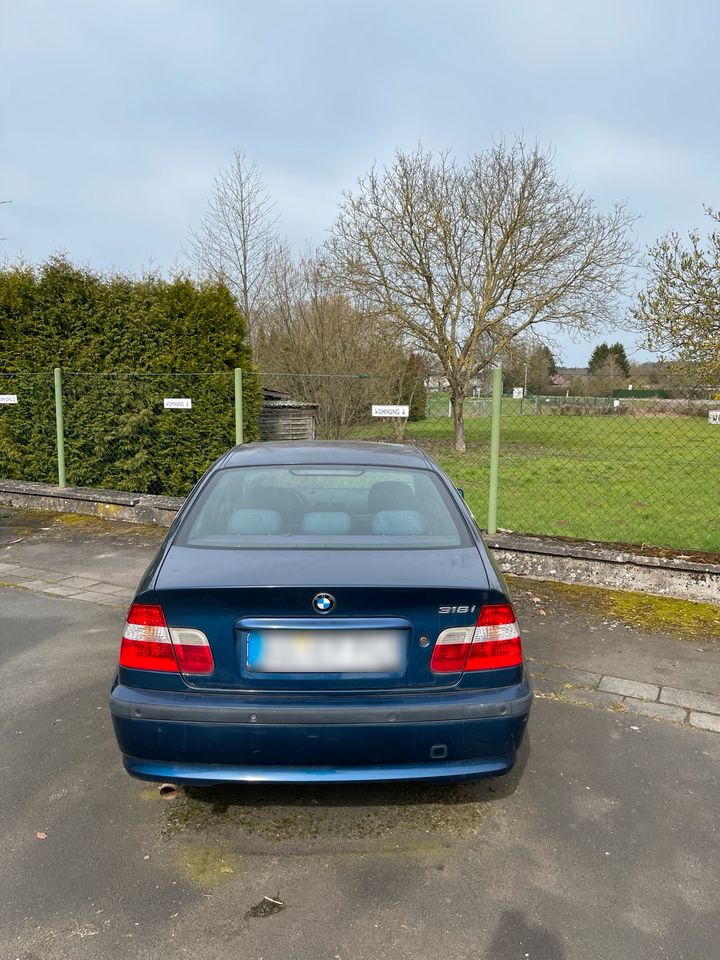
(541,685)
(44,576)
(110,601)
(581,678)
(536,669)
(51,576)
(38,585)
(630,688)
(597,698)
(125,593)
(15,573)
(706,721)
(60,590)
(13,578)
(96,597)
(660,711)
(80,583)
(703,702)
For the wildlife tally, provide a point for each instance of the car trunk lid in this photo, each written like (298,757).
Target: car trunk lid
(256,608)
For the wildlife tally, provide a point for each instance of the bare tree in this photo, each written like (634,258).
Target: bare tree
(237,239)
(679,310)
(463,258)
(321,348)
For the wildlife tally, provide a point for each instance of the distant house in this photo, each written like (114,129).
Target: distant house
(479,385)
(560,380)
(437,380)
(283,418)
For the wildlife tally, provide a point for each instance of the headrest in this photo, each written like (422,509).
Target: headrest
(254,522)
(389,495)
(398,523)
(272,498)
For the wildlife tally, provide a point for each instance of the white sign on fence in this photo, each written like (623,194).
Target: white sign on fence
(714,416)
(518,393)
(177,403)
(8,398)
(397,410)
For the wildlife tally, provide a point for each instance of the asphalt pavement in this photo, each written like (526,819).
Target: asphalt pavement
(603,843)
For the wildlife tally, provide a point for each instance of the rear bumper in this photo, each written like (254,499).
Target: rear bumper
(208,739)
(211,774)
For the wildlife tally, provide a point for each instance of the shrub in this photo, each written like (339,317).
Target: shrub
(124,344)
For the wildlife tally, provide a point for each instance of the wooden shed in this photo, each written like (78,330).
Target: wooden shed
(282,418)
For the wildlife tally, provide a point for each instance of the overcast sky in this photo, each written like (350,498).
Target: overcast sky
(116,114)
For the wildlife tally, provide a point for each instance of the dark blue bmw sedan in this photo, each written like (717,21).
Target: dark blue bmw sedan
(321,611)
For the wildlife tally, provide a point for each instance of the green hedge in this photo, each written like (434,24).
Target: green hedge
(124,345)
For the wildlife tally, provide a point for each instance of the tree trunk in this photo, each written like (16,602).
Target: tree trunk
(457,402)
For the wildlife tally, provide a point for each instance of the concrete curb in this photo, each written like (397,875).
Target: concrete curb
(545,559)
(108,504)
(557,682)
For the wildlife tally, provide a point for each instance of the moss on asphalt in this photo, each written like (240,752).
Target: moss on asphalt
(683,619)
(410,815)
(100,526)
(206,866)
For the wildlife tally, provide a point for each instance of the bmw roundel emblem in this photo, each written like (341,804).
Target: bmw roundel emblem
(323,602)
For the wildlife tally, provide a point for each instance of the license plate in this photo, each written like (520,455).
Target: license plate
(325,651)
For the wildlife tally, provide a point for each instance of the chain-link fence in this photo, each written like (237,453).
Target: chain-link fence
(624,470)
(147,433)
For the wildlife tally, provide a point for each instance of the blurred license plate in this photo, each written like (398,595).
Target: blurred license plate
(325,651)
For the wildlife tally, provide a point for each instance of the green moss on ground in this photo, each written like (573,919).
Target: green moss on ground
(687,619)
(409,820)
(205,866)
(101,526)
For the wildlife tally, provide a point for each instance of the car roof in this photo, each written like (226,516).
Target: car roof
(361,453)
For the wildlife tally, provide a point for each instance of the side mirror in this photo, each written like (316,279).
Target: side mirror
(461,492)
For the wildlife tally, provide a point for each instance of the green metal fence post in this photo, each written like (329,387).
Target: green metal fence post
(59,427)
(238,406)
(495,449)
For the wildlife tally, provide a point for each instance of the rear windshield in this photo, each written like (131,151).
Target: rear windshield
(323,507)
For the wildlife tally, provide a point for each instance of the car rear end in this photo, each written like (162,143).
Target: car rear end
(366,662)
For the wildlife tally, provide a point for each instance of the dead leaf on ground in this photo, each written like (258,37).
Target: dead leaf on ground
(40,835)
(266,908)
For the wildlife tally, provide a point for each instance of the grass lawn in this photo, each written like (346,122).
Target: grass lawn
(646,480)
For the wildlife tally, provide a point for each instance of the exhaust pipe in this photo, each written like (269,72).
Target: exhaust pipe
(168,791)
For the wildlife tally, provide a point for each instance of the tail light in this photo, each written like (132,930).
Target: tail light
(149,644)
(451,650)
(494,643)
(192,650)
